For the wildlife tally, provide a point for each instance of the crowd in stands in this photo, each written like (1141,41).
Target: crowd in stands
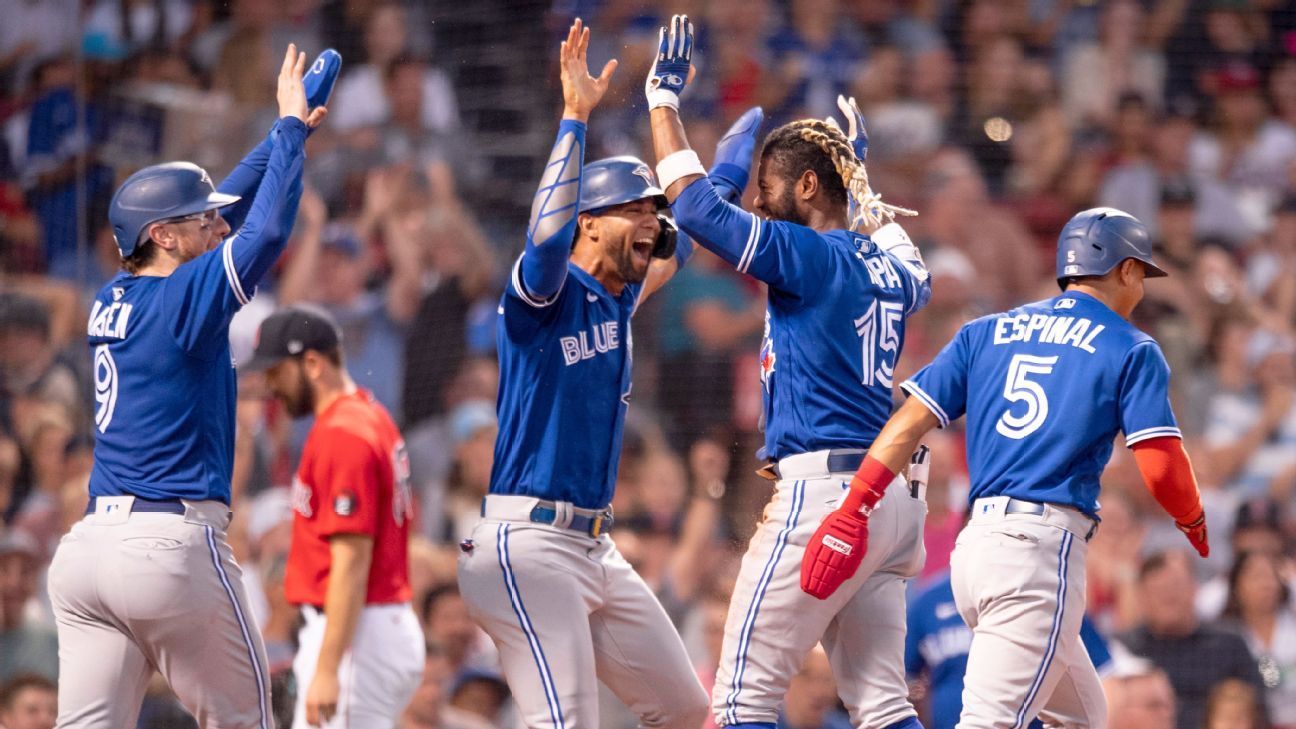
(995,119)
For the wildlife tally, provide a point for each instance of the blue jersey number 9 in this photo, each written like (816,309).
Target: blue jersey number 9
(1020,388)
(105,381)
(877,329)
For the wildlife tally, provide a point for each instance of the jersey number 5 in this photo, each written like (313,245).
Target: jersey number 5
(105,382)
(877,329)
(1020,388)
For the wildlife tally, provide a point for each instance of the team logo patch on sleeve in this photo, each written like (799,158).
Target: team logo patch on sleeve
(344,504)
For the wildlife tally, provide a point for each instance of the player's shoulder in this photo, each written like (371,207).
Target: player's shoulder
(355,418)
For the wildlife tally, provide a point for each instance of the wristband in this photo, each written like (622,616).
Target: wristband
(678,165)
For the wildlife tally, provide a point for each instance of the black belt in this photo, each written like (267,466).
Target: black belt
(1018,506)
(838,462)
(166,506)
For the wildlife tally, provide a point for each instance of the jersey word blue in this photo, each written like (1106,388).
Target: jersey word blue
(1046,387)
(937,642)
(834,325)
(164,379)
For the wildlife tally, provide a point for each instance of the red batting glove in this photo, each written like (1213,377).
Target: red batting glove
(1195,530)
(839,544)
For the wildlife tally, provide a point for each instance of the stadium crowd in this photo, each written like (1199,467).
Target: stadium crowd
(996,119)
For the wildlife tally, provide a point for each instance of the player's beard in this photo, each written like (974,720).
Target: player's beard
(785,208)
(300,402)
(627,269)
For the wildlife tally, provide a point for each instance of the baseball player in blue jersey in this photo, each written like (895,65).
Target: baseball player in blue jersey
(936,649)
(146,580)
(1045,387)
(835,324)
(540,574)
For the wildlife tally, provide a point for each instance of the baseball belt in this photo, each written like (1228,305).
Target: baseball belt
(146,506)
(562,514)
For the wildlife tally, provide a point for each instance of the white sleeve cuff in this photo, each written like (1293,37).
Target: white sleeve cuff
(677,166)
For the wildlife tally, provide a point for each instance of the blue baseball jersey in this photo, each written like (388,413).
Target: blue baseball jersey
(164,378)
(1046,387)
(564,390)
(564,354)
(834,324)
(937,642)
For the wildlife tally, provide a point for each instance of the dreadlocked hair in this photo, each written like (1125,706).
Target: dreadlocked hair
(820,146)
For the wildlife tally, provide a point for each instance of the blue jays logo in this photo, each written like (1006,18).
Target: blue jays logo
(767,355)
(646,174)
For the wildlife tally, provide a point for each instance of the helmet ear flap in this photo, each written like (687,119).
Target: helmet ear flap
(667,238)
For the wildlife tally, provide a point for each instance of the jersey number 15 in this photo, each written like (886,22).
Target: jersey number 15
(877,329)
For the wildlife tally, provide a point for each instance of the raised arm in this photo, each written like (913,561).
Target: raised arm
(552,229)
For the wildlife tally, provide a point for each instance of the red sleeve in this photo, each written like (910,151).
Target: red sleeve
(346,484)
(1169,476)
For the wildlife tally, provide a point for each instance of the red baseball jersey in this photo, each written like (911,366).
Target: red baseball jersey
(353,479)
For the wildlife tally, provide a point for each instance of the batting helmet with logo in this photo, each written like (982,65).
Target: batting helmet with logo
(1095,241)
(157,193)
(617,180)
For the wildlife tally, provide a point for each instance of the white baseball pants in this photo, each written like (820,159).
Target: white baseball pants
(772,624)
(135,592)
(1019,582)
(377,676)
(565,611)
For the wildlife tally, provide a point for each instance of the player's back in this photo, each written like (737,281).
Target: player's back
(1046,387)
(164,412)
(832,339)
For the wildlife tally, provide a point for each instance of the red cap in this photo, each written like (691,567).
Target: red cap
(1237,76)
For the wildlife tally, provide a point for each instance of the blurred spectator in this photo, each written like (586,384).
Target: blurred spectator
(815,58)
(430,707)
(1137,186)
(363,98)
(116,28)
(32,370)
(480,693)
(1271,265)
(1257,528)
(811,701)
(709,321)
(472,435)
(1095,74)
(1235,704)
(61,173)
(1260,602)
(1194,655)
(28,701)
(1247,150)
(34,31)
(25,647)
(330,266)
(1251,420)
(445,619)
(1139,697)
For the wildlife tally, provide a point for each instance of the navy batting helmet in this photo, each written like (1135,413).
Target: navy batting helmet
(1095,241)
(161,192)
(617,180)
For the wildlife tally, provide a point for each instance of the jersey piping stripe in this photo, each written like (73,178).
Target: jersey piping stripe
(537,652)
(1064,555)
(526,295)
(912,388)
(749,250)
(243,626)
(231,273)
(1165,431)
(744,636)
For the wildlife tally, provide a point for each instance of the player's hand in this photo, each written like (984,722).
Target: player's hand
(733,156)
(322,698)
(1195,530)
(673,66)
(834,553)
(856,134)
(581,91)
(291,92)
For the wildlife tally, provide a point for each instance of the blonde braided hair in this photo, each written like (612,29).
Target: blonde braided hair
(869,210)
